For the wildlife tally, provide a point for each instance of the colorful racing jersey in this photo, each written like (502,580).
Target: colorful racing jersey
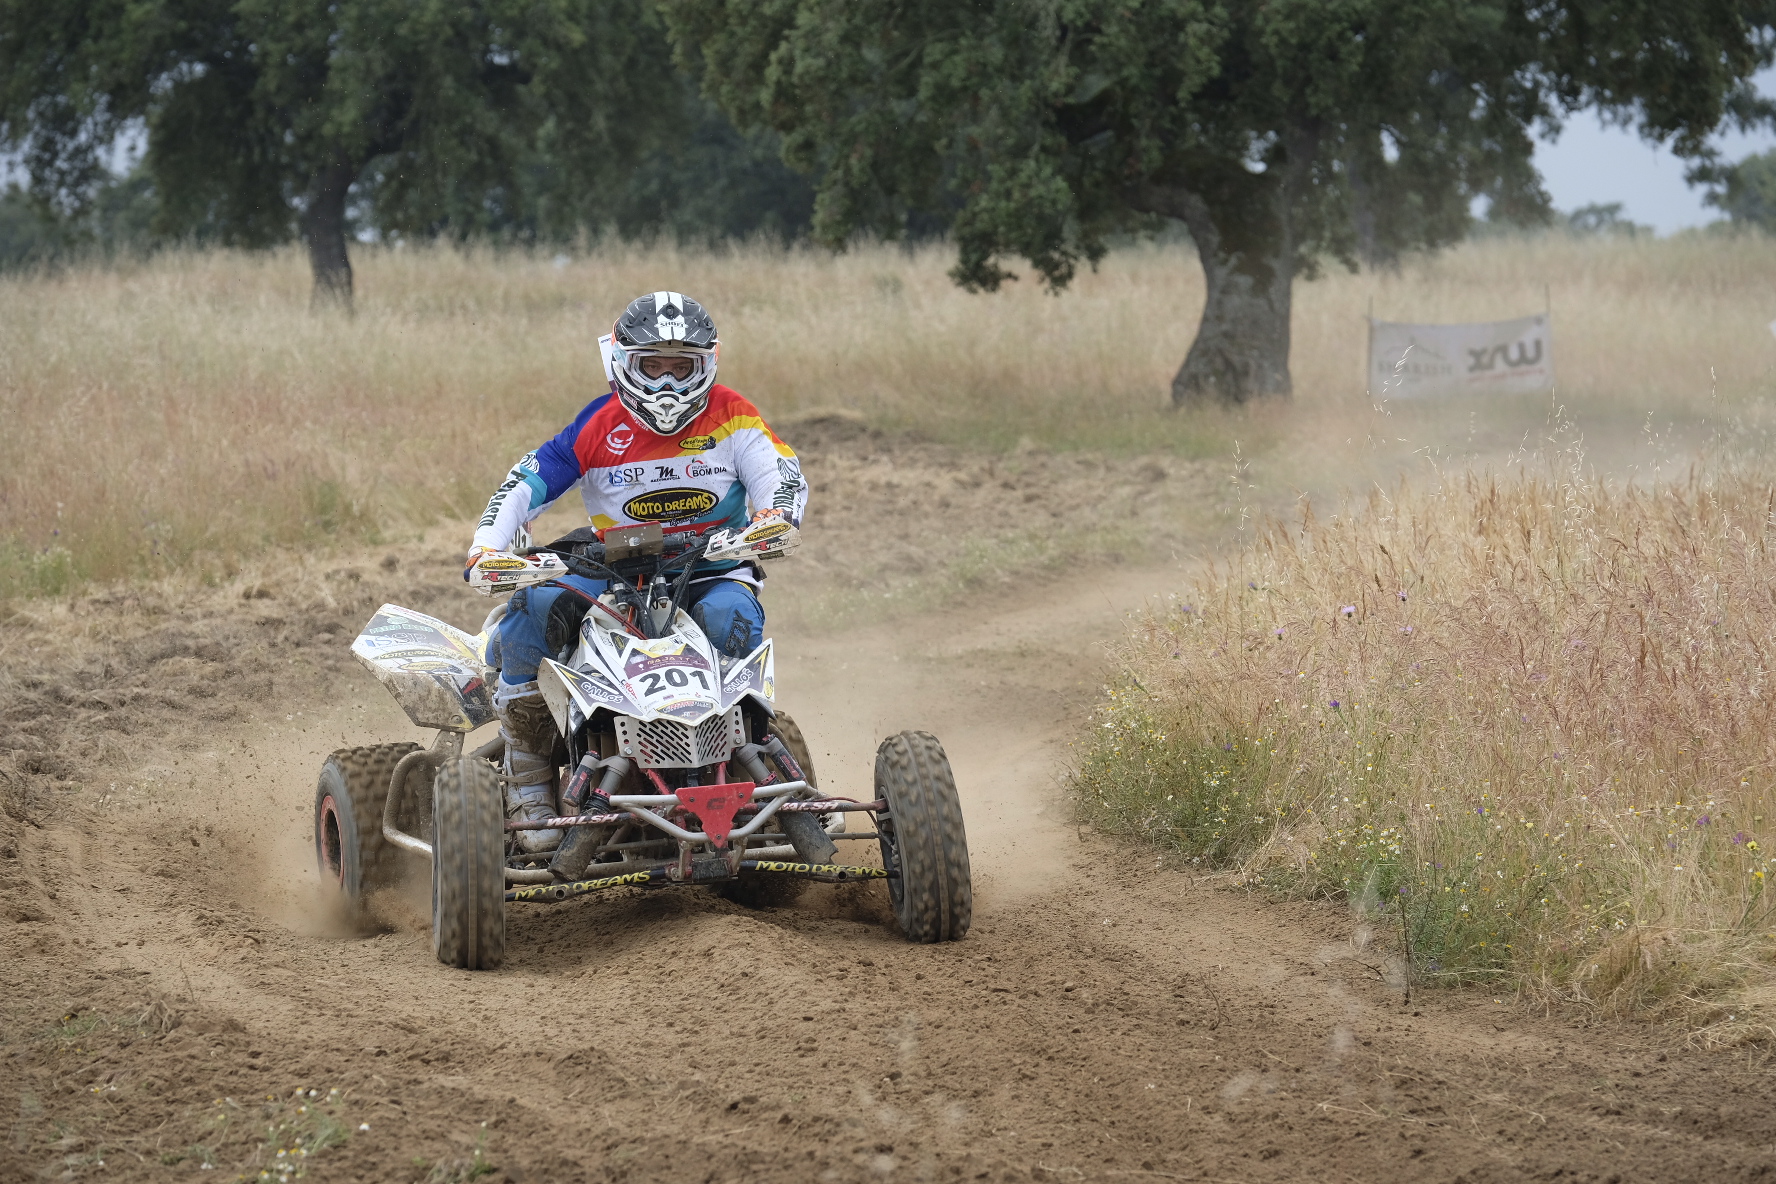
(703,475)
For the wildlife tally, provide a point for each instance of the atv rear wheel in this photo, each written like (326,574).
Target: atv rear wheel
(923,838)
(468,866)
(349,847)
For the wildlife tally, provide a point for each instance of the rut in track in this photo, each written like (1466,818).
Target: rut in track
(171,978)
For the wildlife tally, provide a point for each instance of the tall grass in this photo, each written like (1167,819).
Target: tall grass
(165,415)
(1532,715)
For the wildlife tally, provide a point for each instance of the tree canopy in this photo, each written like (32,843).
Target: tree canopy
(1747,191)
(267,118)
(1279,133)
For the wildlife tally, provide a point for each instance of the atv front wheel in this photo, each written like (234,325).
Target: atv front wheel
(349,848)
(468,866)
(922,838)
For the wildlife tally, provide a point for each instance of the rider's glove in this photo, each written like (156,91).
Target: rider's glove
(475,554)
(770,515)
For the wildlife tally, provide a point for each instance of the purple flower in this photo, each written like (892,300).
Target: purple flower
(1705,820)
(1738,838)
(1402,596)
(1251,585)
(1348,609)
(1334,705)
(1279,632)
(1406,629)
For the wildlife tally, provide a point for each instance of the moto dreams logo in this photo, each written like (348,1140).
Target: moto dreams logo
(666,504)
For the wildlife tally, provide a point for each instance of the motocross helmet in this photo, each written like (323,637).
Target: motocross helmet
(663,354)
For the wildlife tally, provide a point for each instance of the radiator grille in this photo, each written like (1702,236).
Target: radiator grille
(669,744)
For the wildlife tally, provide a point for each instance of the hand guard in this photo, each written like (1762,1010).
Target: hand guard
(491,572)
(770,535)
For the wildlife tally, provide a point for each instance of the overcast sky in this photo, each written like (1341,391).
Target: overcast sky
(1591,164)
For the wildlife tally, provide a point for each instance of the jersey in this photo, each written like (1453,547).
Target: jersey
(715,472)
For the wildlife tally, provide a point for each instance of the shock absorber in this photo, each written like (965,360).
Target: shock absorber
(811,842)
(780,753)
(748,757)
(582,842)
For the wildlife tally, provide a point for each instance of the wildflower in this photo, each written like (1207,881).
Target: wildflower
(1334,705)
(1704,820)
(1738,838)
(1348,609)
(1402,596)
(1751,845)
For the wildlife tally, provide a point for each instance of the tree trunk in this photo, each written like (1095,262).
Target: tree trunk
(1241,349)
(1244,231)
(323,229)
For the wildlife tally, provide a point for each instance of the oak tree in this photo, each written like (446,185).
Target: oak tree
(1280,133)
(260,116)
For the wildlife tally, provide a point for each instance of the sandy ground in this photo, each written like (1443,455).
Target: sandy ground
(171,974)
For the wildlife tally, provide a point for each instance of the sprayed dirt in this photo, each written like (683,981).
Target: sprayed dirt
(172,976)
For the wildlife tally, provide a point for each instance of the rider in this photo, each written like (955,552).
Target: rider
(668,445)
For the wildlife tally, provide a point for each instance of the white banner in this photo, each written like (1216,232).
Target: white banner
(1506,357)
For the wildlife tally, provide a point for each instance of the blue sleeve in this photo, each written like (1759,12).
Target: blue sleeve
(558,463)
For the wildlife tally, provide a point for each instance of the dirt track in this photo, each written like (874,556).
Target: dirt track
(170,979)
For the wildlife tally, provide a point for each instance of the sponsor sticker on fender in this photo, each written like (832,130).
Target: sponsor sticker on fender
(696,444)
(664,505)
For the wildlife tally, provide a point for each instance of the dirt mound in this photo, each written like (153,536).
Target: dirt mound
(171,978)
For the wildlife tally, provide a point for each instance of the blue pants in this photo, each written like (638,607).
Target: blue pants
(727,611)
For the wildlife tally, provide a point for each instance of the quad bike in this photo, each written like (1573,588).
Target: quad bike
(693,775)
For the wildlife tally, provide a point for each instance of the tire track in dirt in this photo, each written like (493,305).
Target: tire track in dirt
(1105,1020)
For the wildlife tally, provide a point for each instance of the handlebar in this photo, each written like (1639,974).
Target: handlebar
(584,554)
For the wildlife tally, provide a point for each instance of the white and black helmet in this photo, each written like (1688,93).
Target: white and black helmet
(672,329)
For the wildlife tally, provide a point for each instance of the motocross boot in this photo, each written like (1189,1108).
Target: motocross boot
(529,732)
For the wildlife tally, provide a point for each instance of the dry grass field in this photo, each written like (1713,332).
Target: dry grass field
(1528,720)
(1577,661)
(174,415)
